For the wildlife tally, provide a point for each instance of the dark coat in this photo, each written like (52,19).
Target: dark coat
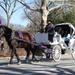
(50,29)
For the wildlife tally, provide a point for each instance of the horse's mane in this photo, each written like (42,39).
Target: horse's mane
(8,30)
(3,26)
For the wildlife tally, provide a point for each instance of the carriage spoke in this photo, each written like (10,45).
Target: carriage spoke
(56,52)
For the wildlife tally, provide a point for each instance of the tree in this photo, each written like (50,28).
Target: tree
(43,10)
(9,6)
(62,16)
(34,22)
(65,14)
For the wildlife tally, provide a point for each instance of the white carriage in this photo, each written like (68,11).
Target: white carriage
(66,37)
(59,43)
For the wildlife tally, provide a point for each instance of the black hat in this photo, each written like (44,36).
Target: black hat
(48,20)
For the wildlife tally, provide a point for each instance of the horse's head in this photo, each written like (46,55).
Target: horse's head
(5,31)
(1,31)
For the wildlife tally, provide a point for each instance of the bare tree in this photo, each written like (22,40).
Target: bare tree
(9,6)
(34,24)
(36,20)
(43,10)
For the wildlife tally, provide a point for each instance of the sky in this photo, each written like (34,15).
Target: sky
(17,16)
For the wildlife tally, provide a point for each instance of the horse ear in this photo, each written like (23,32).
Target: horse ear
(1,29)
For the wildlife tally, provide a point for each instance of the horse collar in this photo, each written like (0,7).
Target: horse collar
(20,35)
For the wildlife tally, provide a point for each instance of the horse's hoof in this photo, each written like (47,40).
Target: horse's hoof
(27,61)
(34,60)
(8,64)
(19,63)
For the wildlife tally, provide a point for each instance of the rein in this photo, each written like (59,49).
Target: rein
(41,46)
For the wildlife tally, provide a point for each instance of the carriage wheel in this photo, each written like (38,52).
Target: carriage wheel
(73,54)
(56,52)
(73,50)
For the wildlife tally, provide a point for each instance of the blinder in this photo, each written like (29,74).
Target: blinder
(1,32)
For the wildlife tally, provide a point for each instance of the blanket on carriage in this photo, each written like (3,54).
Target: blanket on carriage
(41,38)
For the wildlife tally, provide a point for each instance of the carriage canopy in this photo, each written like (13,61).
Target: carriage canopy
(65,28)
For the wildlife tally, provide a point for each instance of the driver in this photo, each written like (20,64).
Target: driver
(50,29)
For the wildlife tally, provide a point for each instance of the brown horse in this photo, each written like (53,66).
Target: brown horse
(13,39)
(24,40)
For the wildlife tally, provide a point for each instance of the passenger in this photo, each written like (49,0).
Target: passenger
(51,30)
(67,38)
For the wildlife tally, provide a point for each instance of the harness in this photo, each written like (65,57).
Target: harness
(20,35)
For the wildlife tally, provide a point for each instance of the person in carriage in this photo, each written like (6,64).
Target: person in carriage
(50,29)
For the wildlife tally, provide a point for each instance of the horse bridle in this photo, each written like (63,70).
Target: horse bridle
(2,33)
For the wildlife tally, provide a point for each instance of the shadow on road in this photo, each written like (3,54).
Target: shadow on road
(11,70)
(35,69)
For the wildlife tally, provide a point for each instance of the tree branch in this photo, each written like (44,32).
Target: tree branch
(3,8)
(57,7)
(37,3)
(13,8)
(9,6)
(30,18)
(33,9)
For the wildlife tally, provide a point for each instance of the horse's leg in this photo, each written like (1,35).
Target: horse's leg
(14,44)
(28,53)
(12,54)
(18,60)
(33,50)
(33,54)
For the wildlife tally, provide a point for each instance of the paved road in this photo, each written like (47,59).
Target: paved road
(66,66)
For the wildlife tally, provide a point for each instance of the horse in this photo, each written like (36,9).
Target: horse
(13,41)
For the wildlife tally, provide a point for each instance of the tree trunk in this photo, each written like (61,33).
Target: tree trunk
(44,13)
(43,18)
(8,21)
